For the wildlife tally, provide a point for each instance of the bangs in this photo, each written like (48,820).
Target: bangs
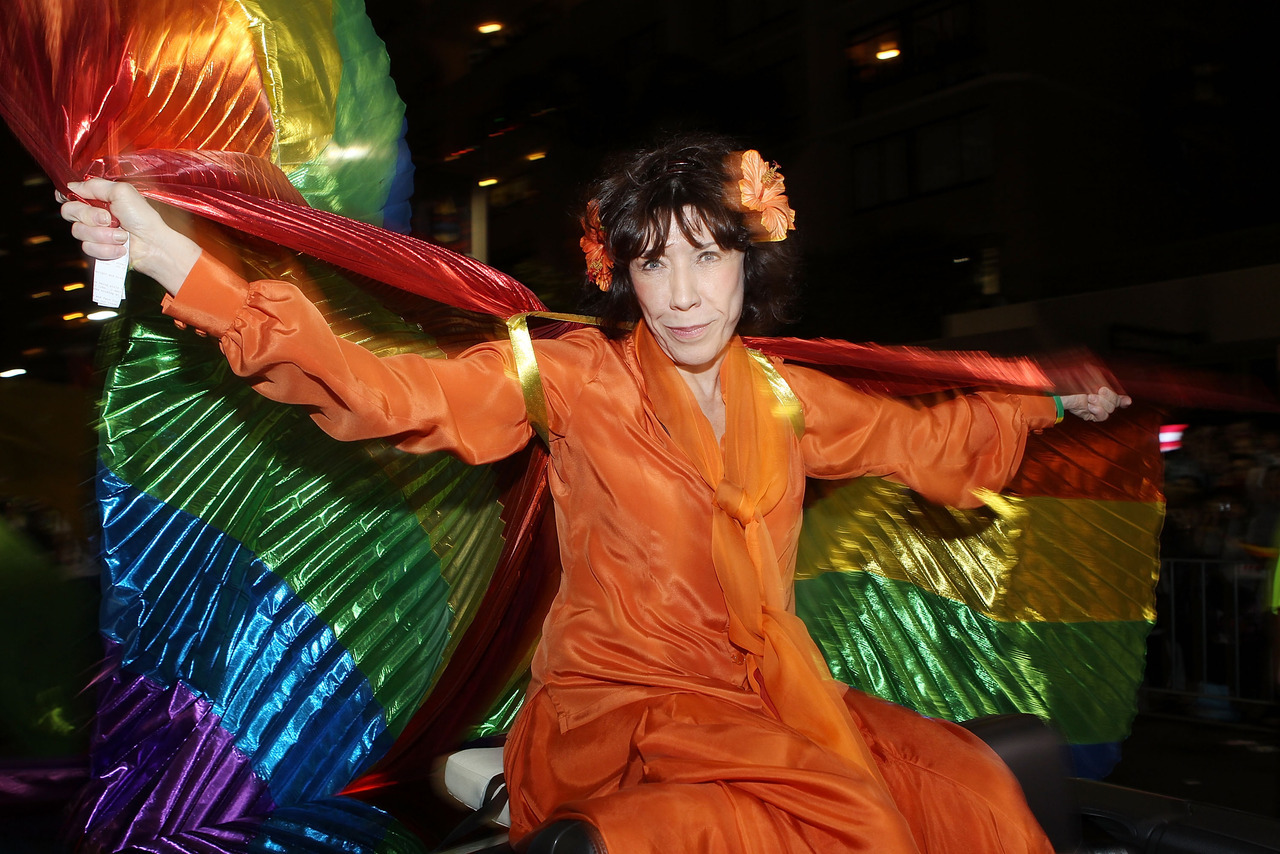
(693,220)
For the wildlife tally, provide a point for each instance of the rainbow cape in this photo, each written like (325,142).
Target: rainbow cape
(297,627)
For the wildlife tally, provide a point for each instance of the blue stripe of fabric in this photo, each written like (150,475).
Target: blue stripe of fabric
(188,603)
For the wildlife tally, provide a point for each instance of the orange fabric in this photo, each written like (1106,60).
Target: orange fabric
(688,773)
(642,620)
(748,478)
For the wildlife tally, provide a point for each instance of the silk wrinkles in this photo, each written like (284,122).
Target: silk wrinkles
(665,703)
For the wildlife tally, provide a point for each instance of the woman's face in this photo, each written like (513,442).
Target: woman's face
(691,298)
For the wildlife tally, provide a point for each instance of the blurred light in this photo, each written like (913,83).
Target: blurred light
(104,314)
(535,155)
(888,50)
(490,27)
(74,286)
(454,155)
(33,351)
(488,182)
(961,260)
(75,315)
(34,180)
(1171,437)
(41,294)
(37,239)
(350,152)
(12,372)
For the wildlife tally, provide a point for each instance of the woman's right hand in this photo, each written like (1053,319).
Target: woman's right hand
(155,248)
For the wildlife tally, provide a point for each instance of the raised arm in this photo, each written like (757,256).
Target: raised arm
(271,334)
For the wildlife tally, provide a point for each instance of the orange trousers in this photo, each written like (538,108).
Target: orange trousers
(688,773)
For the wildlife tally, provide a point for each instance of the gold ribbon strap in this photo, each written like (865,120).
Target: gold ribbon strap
(788,405)
(535,399)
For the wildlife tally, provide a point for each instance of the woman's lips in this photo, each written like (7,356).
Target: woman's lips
(687,333)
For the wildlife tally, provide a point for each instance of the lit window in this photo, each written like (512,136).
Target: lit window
(875,52)
(887,49)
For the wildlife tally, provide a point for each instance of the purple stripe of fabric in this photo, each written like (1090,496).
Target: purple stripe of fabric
(166,775)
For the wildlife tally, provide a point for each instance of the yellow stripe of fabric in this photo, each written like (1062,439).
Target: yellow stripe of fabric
(787,405)
(296,47)
(1016,560)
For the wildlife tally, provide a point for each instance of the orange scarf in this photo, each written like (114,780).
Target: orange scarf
(784,665)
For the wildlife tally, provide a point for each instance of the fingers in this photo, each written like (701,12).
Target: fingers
(74,212)
(119,202)
(1097,406)
(100,242)
(102,190)
(1103,402)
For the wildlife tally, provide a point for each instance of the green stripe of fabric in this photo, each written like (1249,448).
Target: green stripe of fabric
(896,641)
(349,539)
(352,175)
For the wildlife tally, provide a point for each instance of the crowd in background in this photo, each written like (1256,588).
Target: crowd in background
(1216,633)
(1223,491)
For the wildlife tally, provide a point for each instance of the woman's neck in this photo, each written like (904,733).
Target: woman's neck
(705,385)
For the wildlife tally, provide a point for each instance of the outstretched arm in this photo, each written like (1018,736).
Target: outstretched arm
(947,452)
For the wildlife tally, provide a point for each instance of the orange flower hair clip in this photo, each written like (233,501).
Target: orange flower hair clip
(599,264)
(761,188)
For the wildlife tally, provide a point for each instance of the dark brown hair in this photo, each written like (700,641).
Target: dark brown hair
(684,181)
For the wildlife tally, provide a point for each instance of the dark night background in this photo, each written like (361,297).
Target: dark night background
(1019,177)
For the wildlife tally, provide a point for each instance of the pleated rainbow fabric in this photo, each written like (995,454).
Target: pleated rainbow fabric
(274,616)
(291,619)
(1040,602)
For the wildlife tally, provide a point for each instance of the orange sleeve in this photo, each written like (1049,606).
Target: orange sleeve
(945,452)
(270,333)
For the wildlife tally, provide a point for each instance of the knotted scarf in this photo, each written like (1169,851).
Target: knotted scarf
(747,480)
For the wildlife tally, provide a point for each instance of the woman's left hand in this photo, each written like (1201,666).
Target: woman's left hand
(1097,406)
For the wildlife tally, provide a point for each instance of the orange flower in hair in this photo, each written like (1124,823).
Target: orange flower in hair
(763,189)
(599,264)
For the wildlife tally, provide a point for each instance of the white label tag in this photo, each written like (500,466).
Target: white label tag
(108,279)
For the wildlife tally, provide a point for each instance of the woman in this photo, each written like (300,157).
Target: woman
(677,703)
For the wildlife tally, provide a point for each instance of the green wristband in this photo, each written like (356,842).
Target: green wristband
(1057,405)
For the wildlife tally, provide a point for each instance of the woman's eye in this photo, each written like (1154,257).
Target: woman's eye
(651,264)
(709,256)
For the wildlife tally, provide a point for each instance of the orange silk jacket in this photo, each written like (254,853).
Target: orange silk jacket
(639,612)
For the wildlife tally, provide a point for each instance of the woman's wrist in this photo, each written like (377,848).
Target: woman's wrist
(172,266)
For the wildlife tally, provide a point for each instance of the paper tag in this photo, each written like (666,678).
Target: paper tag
(108,279)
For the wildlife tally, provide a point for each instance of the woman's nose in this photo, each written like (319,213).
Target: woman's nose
(684,289)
